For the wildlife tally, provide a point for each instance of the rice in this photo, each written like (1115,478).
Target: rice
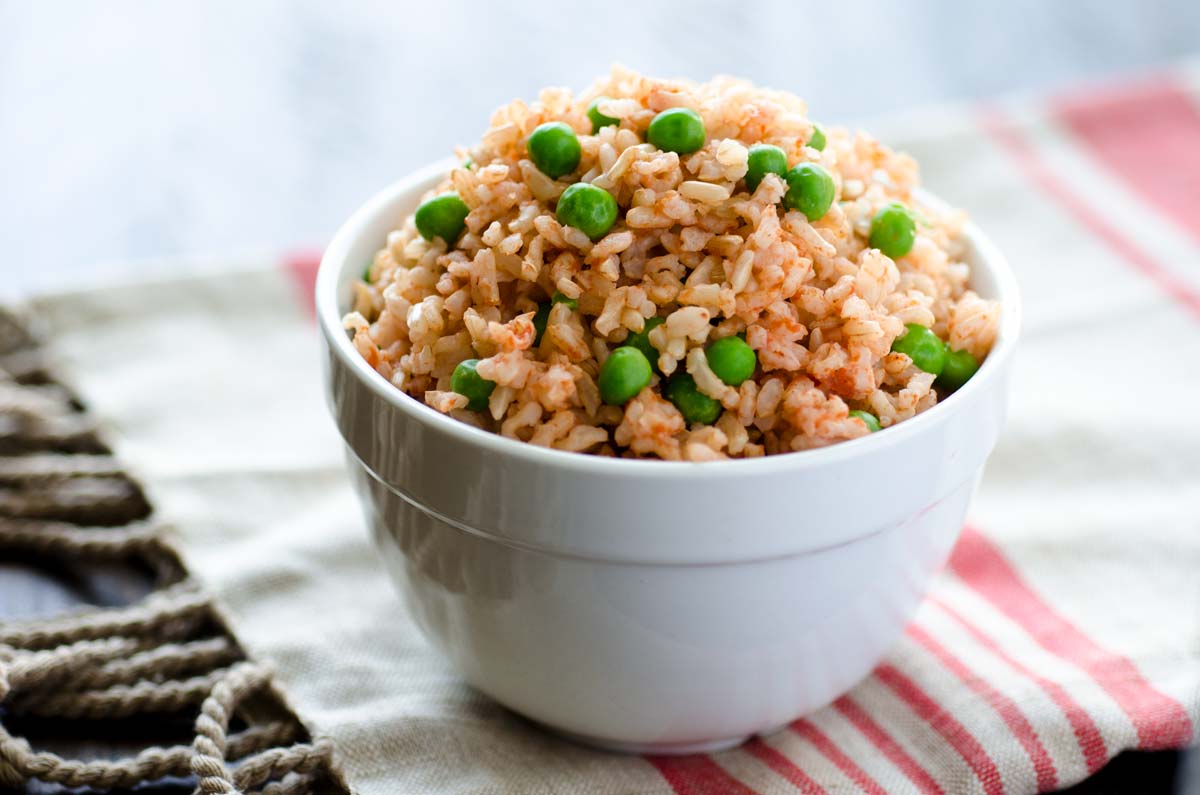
(693,246)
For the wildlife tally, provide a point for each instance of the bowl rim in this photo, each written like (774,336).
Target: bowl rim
(329,318)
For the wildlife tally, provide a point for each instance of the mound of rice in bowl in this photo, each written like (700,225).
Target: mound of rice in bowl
(659,268)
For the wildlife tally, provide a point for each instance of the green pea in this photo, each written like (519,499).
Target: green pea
(679,130)
(589,209)
(817,141)
(471,385)
(468,163)
(893,230)
(540,319)
(442,216)
(732,360)
(694,405)
(559,298)
(367,271)
(960,366)
(764,159)
(624,373)
(599,119)
(924,347)
(641,341)
(554,149)
(868,419)
(810,190)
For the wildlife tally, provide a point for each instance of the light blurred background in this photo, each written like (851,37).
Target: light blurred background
(136,130)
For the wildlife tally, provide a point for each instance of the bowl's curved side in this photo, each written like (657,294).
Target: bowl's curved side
(649,511)
(659,658)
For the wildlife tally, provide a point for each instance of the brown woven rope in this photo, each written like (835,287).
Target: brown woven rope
(63,497)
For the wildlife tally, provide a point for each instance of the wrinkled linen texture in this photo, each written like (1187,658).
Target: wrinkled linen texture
(1065,629)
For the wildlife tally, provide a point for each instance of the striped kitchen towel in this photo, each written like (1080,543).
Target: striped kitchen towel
(1065,629)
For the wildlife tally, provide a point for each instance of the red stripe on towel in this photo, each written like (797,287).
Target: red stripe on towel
(1005,707)
(773,759)
(946,725)
(887,746)
(1148,135)
(1091,743)
(830,750)
(1160,720)
(1018,146)
(698,775)
(301,267)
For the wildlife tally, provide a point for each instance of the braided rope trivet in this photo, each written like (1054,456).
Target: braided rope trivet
(63,497)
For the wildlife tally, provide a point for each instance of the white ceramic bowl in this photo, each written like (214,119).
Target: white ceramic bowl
(651,605)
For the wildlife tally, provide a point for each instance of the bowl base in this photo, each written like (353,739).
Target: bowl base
(655,749)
